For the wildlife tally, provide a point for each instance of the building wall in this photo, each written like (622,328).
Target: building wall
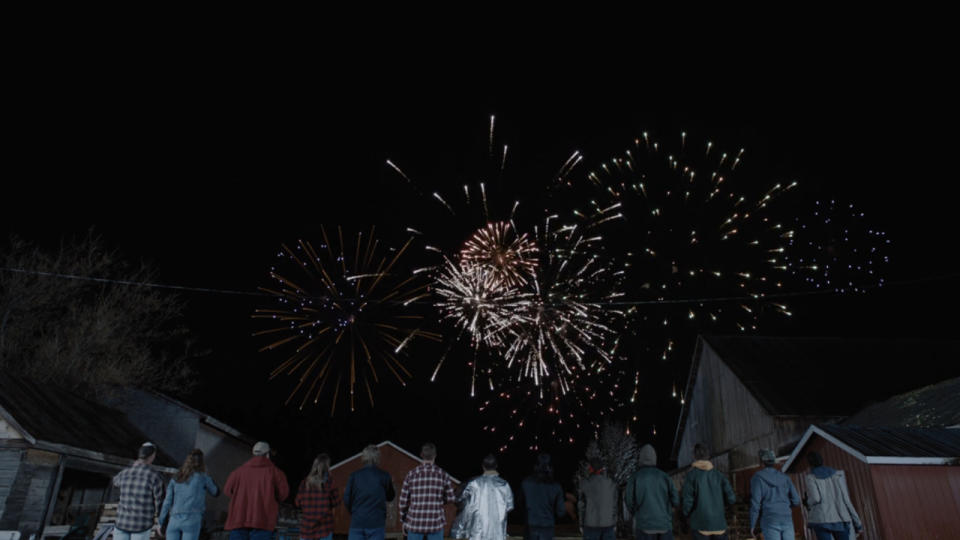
(859,483)
(168,425)
(26,501)
(918,501)
(7,431)
(9,467)
(222,454)
(398,465)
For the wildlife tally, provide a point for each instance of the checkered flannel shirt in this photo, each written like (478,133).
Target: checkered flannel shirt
(141,493)
(317,505)
(425,490)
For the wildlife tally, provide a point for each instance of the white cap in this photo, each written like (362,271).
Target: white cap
(261,448)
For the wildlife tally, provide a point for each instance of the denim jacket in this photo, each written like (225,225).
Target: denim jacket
(189,497)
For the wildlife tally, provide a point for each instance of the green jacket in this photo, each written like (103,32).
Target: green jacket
(651,498)
(704,492)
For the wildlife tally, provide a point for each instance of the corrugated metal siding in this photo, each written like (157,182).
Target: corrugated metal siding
(9,465)
(859,483)
(918,501)
(26,501)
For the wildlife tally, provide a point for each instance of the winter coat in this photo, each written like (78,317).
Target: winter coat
(705,490)
(188,497)
(651,495)
(366,496)
(597,503)
(828,500)
(485,500)
(771,496)
(256,489)
(544,502)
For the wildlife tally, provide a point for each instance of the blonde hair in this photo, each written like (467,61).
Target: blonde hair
(320,472)
(371,455)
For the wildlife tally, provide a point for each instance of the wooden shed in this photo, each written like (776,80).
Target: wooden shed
(396,461)
(58,455)
(745,393)
(904,482)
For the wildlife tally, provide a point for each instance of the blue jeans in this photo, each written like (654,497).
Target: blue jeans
(124,535)
(599,533)
(640,535)
(184,526)
(436,535)
(540,533)
(826,534)
(327,537)
(365,534)
(251,534)
(778,531)
(697,536)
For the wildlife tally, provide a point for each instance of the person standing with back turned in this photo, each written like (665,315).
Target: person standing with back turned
(368,491)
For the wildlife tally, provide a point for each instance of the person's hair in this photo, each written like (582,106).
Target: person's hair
(193,464)
(700,452)
(429,451)
(543,471)
(596,463)
(320,472)
(490,463)
(147,449)
(371,455)
(814,459)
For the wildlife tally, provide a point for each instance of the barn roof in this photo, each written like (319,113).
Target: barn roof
(824,377)
(59,420)
(395,447)
(833,376)
(936,405)
(888,445)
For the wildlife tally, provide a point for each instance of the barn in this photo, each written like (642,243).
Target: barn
(396,461)
(903,481)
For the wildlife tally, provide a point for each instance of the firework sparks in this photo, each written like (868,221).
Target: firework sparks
(507,257)
(346,314)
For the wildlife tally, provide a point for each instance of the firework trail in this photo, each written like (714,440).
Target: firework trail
(344,307)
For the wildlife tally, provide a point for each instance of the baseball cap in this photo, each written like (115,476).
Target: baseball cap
(261,448)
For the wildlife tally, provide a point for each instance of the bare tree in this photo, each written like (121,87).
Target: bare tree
(619,452)
(88,334)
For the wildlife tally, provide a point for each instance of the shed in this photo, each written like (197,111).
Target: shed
(745,393)
(397,462)
(58,455)
(904,482)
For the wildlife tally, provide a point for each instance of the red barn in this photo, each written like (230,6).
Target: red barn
(904,482)
(396,461)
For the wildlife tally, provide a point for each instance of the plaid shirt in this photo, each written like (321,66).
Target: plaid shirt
(141,493)
(317,505)
(425,490)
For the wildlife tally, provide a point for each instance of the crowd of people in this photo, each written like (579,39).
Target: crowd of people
(257,488)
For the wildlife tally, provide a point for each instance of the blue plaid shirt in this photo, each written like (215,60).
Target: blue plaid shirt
(141,492)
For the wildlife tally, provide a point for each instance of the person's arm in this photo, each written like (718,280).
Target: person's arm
(672,490)
(157,494)
(687,496)
(167,504)
(508,502)
(581,503)
(560,502)
(389,493)
(814,497)
(230,488)
(404,498)
(845,493)
(212,488)
(794,495)
(280,482)
(335,499)
(348,495)
(629,497)
(728,492)
(448,494)
(756,497)
(298,500)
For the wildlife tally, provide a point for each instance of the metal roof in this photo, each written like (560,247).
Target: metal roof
(936,405)
(888,445)
(60,420)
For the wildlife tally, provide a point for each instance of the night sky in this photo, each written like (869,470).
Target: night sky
(204,172)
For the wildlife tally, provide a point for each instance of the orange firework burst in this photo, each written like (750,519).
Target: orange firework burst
(511,259)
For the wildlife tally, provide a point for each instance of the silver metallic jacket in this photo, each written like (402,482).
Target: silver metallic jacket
(486,501)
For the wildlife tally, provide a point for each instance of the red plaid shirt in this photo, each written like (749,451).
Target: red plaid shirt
(316,505)
(425,490)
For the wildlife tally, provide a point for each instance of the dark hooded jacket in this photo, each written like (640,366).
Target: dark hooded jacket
(651,495)
(705,490)
(771,496)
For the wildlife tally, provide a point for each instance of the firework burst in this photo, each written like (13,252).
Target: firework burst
(507,257)
(346,313)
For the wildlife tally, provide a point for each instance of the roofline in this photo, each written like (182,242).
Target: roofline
(206,418)
(391,443)
(73,451)
(870,460)
(8,418)
(688,395)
